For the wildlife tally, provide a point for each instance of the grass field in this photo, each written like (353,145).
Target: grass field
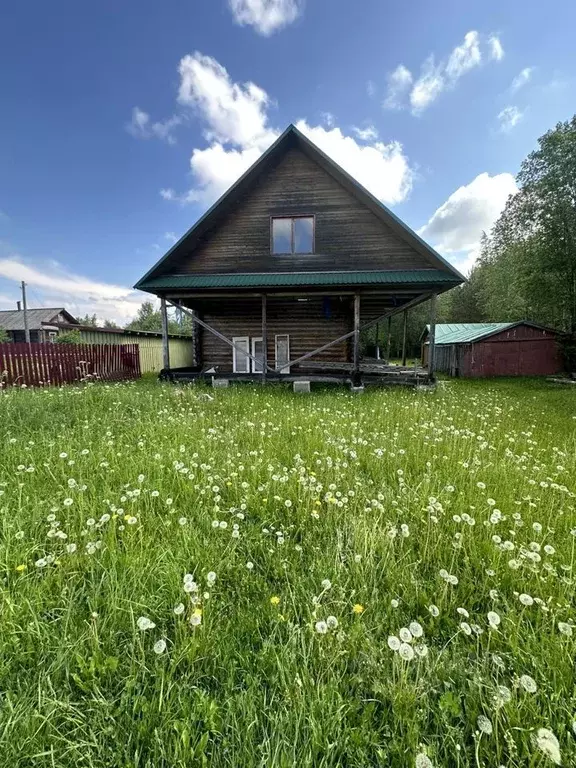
(248,578)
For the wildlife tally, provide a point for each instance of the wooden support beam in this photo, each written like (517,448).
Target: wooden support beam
(165,341)
(356,338)
(404,331)
(389,341)
(219,335)
(264,338)
(432,339)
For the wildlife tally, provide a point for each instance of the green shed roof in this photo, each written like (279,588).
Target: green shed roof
(458,333)
(294,279)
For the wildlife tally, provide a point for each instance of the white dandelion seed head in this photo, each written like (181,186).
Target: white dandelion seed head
(196,619)
(394,643)
(484,724)
(210,577)
(179,609)
(321,627)
(463,612)
(394,603)
(434,611)
(494,619)
(406,652)
(528,683)
(526,599)
(466,628)
(423,761)
(159,646)
(565,629)
(332,622)
(405,635)
(250,565)
(421,650)
(326,584)
(416,629)
(145,623)
(549,745)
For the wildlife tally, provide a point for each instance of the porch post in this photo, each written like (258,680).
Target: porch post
(389,340)
(264,338)
(432,338)
(165,344)
(404,337)
(356,340)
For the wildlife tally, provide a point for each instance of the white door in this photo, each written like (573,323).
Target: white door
(258,353)
(283,352)
(240,351)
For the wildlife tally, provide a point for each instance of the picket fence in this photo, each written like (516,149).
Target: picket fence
(36,365)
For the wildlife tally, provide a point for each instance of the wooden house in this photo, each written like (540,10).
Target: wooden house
(42,323)
(475,350)
(287,268)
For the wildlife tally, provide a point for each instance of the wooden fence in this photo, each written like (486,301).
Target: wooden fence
(44,364)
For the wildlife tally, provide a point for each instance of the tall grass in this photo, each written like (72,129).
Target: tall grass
(247,578)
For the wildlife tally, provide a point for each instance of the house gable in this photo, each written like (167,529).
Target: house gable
(353,230)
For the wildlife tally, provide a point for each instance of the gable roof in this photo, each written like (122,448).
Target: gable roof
(13,319)
(291,138)
(462,333)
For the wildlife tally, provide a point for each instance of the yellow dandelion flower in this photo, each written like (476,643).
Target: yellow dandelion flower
(317,502)
(275,600)
(21,568)
(228,483)
(358,609)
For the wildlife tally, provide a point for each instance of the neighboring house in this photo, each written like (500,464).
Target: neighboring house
(41,323)
(494,349)
(149,344)
(283,272)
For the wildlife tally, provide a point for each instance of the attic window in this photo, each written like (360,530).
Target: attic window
(292,234)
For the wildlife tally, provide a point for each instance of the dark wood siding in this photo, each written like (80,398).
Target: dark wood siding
(310,324)
(347,234)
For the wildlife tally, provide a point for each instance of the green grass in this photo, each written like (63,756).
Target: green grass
(376,493)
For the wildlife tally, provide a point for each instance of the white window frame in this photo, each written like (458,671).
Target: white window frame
(285,370)
(253,342)
(236,340)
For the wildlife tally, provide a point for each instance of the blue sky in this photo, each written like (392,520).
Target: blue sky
(121,122)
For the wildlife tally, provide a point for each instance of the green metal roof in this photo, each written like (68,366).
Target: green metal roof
(292,279)
(458,333)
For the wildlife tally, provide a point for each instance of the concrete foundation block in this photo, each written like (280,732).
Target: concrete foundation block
(220,383)
(302,387)
(357,390)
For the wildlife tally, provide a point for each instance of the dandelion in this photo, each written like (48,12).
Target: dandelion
(321,627)
(71,548)
(549,745)
(210,577)
(145,623)
(494,619)
(394,643)
(196,618)
(68,502)
(484,724)
(131,520)
(406,652)
(159,646)
(528,683)
(502,696)
(275,600)
(423,761)
(182,520)
(394,603)
(21,568)
(332,622)
(421,649)
(565,629)
(434,611)
(466,628)
(526,599)
(405,635)
(326,584)
(42,562)
(250,565)
(179,609)
(358,609)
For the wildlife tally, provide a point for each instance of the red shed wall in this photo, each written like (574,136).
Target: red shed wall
(519,351)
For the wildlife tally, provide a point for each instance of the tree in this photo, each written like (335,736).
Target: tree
(69,337)
(89,320)
(150,319)
(110,324)
(4,336)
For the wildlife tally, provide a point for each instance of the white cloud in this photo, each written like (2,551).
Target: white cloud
(328,119)
(234,112)
(141,127)
(508,118)
(399,81)
(496,49)
(428,87)
(366,134)
(238,131)
(55,286)
(172,237)
(266,16)
(522,79)
(382,168)
(457,225)
(437,77)
(371,88)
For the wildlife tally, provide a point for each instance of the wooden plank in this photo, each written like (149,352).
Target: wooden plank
(356,338)
(165,342)
(432,338)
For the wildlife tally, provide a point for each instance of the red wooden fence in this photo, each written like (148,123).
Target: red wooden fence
(44,364)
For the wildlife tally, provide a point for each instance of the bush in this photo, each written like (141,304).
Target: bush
(69,337)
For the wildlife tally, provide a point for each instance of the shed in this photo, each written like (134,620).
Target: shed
(494,349)
(41,322)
